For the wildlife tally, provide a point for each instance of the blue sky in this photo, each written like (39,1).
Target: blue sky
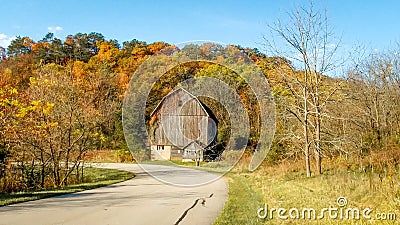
(374,24)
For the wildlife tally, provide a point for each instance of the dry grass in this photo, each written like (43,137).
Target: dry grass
(105,155)
(285,185)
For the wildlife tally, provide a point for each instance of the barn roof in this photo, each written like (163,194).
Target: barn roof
(187,92)
(196,142)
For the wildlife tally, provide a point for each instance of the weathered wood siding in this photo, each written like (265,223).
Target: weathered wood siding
(176,153)
(193,152)
(182,119)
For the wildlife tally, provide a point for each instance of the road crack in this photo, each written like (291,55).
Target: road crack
(203,203)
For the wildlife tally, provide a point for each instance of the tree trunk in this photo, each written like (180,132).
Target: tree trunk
(318,152)
(317,141)
(43,170)
(306,139)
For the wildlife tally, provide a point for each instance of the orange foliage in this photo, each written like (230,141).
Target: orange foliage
(108,53)
(79,69)
(156,46)
(123,80)
(37,46)
(28,42)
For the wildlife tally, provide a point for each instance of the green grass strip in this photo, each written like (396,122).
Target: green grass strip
(98,177)
(243,201)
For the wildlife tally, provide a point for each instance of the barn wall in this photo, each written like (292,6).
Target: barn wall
(181,103)
(176,153)
(181,119)
(159,154)
(192,152)
(181,130)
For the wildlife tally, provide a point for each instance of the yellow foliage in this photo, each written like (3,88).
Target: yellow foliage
(13,91)
(47,125)
(21,112)
(7,71)
(32,80)
(36,102)
(108,53)
(6,102)
(53,124)
(79,68)
(14,102)
(76,132)
(102,138)
(48,108)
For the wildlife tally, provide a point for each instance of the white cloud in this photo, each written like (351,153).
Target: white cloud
(54,29)
(5,40)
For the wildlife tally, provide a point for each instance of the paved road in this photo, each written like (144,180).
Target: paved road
(142,200)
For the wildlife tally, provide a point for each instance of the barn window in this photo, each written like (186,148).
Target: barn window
(180,103)
(160,147)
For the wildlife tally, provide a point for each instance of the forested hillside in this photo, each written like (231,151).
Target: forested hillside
(61,99)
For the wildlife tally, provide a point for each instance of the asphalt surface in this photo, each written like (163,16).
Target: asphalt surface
(141,200)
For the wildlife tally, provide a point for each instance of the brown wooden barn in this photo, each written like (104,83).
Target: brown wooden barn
(181,127)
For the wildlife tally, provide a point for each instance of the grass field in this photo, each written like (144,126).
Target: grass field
(95,177)
(285,186)
(244,197)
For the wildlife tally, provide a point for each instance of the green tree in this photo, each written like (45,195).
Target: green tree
(20,45)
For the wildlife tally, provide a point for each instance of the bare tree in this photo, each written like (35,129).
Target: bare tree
(374,93)
(308,42)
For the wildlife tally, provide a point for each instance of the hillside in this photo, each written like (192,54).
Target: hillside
(62,99)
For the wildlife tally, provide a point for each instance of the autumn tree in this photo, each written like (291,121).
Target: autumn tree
(8,109)
(15,71)
(73,114)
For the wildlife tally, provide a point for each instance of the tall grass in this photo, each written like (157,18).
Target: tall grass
(373,185)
